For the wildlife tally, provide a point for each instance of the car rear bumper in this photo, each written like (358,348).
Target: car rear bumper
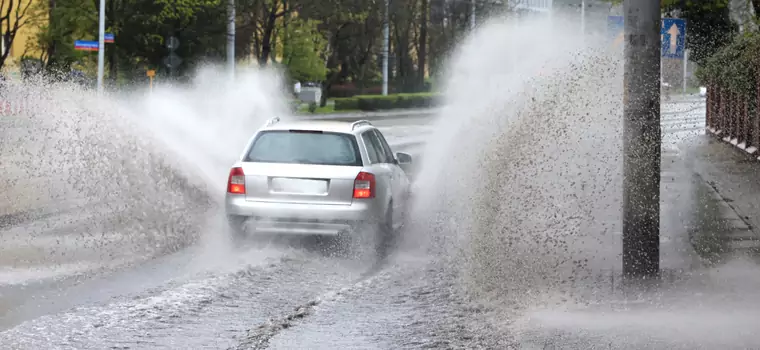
(300,219)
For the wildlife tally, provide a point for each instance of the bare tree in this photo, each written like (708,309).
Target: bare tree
(14,16)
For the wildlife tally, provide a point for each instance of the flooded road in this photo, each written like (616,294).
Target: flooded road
(209,283)
(514,238)
(290,294)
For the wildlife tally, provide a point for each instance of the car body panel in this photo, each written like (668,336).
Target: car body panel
(298,183)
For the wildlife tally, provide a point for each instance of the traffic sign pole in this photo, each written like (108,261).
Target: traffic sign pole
(151,74)
(685,68)
(101,44)
(172,61)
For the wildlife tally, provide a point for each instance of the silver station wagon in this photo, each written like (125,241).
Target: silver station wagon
(325,178)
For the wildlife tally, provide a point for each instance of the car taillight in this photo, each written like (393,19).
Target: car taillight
(364,185)
(236,182)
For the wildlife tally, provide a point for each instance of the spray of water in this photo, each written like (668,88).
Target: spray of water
(521,189)
(146,170)
(525,160)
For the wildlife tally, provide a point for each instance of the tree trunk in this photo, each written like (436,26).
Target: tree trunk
(51,49)
(266,40)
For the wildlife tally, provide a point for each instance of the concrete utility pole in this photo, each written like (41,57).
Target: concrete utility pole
(642,138)
(101,44)
(386,44)
(231,38)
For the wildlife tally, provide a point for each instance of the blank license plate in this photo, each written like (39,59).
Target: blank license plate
(300,186)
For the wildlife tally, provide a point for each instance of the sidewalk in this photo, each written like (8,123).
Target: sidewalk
(733,174)
(707,298)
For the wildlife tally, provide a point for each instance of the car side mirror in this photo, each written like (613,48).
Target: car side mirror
(403,158)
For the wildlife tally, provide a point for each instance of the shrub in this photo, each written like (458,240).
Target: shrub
(377,102)
(735,66)
(346,104)
(380,102)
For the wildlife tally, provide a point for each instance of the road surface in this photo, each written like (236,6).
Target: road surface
(288,294)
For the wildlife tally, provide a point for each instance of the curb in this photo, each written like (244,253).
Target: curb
(752,151)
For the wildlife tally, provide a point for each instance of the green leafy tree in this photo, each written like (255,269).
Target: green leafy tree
(304,50)
(140,28)
(69,20)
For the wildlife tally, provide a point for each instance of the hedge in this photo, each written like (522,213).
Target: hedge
(735,66)
(380,102)
(346,104)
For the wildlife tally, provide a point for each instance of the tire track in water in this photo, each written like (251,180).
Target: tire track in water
(207,309)
(259,336)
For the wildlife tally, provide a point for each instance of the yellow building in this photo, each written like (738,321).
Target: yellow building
(25,42)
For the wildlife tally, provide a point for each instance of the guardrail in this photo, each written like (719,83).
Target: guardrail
(732,118)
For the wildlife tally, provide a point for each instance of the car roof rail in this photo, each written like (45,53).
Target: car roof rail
(359,123)
(273,121)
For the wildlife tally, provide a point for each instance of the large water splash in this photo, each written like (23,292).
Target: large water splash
(525,160)
(138,172)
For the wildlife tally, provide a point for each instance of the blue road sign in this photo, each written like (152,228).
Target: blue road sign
(672,34)
(615,29)
(85,45)
(108,37)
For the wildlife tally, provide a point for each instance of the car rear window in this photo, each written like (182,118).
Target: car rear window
(305,147)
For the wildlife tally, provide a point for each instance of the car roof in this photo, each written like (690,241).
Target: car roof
(317,125)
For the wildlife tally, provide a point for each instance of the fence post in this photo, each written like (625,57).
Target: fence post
(745,121)
(731,114)
(722,111)
(725,113)
(736,115)
(756,115)
(739,118)
(708,103)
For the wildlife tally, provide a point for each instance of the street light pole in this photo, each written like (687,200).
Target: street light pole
(231,38)
(101,44)
(583,18)
(642,139)
(386,44)
(472,14)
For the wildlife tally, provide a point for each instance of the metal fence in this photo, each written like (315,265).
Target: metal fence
(734,117)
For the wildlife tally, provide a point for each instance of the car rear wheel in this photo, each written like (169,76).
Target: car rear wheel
(385,234)
(369,241)
(236,227)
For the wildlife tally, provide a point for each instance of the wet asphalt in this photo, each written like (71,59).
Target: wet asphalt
(206,295)
(292,294)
